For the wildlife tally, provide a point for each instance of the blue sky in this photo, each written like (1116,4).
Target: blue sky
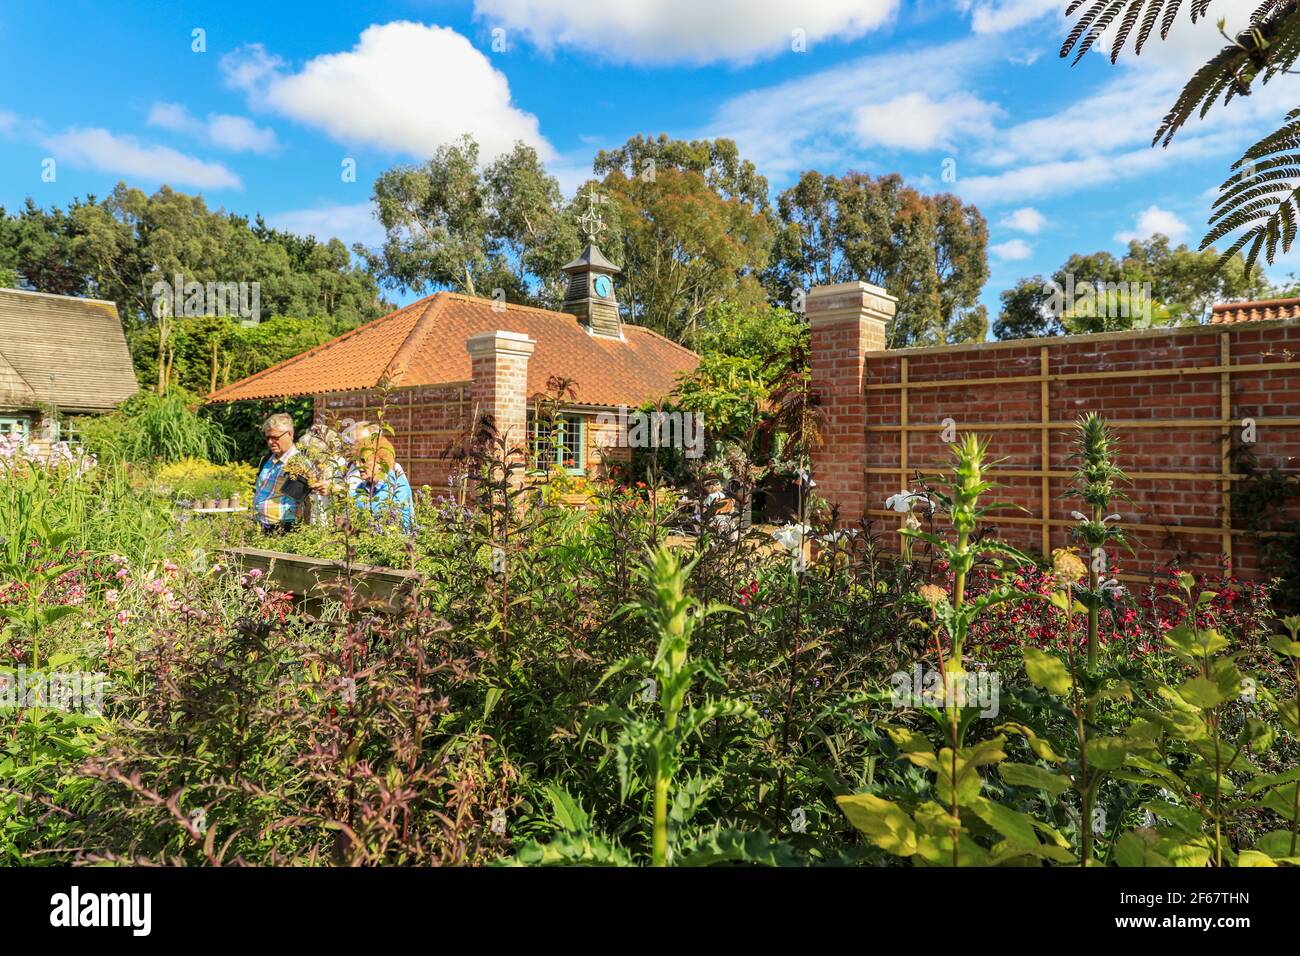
(262,118)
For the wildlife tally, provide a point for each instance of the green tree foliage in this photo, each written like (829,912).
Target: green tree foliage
(929,251)
(744,353)
(118,248)
(695,230)
(452,223)
(1100,292)
(717,160)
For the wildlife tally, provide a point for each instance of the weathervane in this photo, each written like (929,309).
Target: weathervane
(590,223)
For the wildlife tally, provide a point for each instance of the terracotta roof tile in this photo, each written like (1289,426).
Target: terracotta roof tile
(424,344)
(1232,312)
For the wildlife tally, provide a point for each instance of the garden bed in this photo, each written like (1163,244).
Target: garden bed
(315,580)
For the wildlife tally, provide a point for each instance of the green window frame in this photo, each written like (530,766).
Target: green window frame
(565,448)
(8,422)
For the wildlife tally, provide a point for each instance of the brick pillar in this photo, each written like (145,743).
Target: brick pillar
(847,322)
(499,390)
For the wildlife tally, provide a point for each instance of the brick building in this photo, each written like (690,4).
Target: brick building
(434,364)
(1190,406)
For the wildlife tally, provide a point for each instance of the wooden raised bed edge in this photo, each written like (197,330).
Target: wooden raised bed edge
(315,580)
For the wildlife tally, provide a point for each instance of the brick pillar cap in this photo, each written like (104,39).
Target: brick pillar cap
(499,343)
(832,303)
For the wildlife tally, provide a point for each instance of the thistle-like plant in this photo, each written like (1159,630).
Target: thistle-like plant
(1096,756)
(657,740)
(1096,484)
(961,504)
(930,832)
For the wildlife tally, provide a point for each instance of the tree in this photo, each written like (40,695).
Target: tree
(454,224)
(1027,312)
(717,160)
(118,248)
(436,223)
(929,251)
(744,352)
(684,249)
(696,230)
(1151,285)
(1261,198)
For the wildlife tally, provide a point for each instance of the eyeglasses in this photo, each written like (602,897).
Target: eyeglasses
(270,437)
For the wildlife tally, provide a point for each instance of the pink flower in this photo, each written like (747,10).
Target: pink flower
(121,574)
(111,595)
(123,617)
(169,568)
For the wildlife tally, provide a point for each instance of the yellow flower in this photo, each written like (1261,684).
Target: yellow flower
(1067,567)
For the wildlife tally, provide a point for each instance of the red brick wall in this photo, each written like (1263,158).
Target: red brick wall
(1177,508)
(426,422)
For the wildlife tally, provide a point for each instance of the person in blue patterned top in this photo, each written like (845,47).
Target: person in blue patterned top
(378,486)
(278,496)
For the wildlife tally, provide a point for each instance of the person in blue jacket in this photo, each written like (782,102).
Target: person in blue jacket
(379,488)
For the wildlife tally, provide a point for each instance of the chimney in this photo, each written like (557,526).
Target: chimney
(590,296)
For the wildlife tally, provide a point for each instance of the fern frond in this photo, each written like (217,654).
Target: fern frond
(1262,199)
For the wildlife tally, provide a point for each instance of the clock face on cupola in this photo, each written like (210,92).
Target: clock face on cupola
(590,296)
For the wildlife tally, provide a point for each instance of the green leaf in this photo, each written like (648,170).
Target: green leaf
(884,822)
(1284,645)
(567,811)
(1047,671)
(1031,775)
(1201,692)
(1015,826)
(1106,753)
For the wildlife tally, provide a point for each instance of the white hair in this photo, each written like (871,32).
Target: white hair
(278,422)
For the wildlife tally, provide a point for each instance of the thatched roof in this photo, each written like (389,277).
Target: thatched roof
(64,351)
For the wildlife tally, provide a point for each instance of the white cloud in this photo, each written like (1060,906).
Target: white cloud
(349,223)
(1153,220)
(1012,251)
(812,120)
(998,16)
(7,121)
(915,121)
(237,134)
(126,156)
(404,87)
(684,31)
(1028,220)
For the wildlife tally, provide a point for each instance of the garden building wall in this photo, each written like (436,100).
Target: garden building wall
(430,423)
(1179,400)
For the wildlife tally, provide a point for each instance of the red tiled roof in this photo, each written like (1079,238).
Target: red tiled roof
(1231,312)
(424,344)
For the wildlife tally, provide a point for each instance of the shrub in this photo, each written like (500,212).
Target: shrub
(152,427)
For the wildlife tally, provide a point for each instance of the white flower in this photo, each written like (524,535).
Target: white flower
(901,502)
(1078,516)
(843,534)
(905,501)
(791,536)
(1113,588)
